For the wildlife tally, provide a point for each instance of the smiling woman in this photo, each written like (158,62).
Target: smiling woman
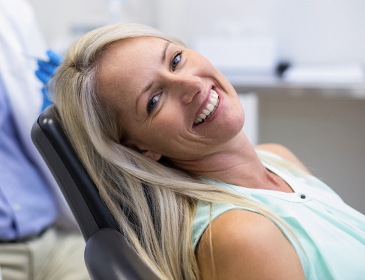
(159,129)
(169,89)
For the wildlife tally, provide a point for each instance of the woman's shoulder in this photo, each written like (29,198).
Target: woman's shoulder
(283,152)
(243,243)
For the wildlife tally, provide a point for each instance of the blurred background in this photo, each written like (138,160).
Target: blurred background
(297,65)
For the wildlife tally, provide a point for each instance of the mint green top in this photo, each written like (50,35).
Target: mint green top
(331,233)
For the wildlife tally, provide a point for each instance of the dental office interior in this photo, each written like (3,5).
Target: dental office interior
(298,66)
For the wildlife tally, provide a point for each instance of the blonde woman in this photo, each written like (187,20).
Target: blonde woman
(159,129)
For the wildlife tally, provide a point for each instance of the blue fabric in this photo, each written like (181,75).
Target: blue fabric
(26,204)
(331,233)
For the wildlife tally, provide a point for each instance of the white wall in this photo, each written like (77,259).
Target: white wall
(306,31)
(62,21)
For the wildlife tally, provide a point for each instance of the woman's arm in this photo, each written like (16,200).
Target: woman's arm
(244,245)
(283,152)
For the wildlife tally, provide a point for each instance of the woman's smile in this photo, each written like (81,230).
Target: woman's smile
(209,108)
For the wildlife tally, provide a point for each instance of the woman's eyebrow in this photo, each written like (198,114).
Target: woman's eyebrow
(164,52)
(149,85)
(144,90)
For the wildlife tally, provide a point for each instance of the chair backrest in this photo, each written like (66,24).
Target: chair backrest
(107,254)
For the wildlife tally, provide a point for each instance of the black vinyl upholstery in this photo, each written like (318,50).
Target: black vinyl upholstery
(107,254)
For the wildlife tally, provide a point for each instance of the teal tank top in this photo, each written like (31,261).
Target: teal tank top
(331,233)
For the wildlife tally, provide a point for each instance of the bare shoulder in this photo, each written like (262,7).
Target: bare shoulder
(283,152)
(244,245)
(279,150)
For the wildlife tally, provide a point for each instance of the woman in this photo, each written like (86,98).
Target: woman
(160,131)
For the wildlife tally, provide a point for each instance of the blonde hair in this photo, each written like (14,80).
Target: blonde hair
(152,204)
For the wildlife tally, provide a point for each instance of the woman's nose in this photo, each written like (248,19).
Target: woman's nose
(186,87)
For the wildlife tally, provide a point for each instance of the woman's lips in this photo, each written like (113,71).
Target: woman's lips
(209,108)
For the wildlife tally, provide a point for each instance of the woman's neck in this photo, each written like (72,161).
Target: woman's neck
(235,160)
(238,164)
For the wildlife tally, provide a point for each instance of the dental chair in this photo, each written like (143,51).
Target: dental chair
(107,254)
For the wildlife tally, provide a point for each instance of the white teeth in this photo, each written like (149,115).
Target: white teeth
(206,112)
(210,108)
(202,116)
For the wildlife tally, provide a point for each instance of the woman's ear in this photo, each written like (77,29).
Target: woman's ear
(152,155)
(147,153)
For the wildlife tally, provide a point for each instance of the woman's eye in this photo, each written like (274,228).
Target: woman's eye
(152,103)
(175,60)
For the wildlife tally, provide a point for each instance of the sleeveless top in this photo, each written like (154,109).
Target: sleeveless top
(331,233)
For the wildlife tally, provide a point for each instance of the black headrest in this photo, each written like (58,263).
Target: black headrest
(79,190)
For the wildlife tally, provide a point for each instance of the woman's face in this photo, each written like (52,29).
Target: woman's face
(170,101)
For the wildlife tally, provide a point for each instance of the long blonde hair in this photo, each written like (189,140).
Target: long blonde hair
(152,204)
